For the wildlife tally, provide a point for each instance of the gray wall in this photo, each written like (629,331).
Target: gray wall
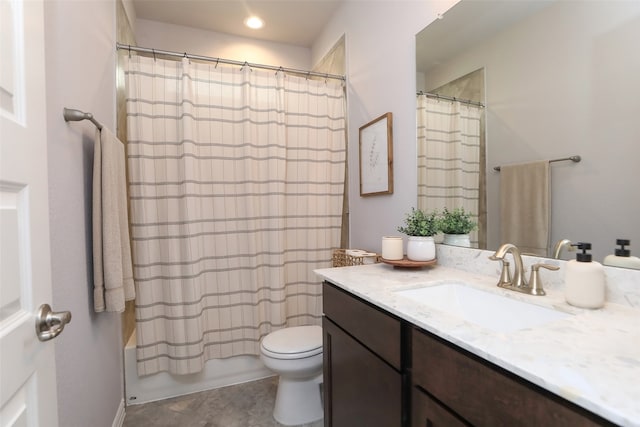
(380,39)
(80,73)
(178,38)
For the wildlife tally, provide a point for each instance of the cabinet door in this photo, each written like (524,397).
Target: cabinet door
(359,388)
(426,412)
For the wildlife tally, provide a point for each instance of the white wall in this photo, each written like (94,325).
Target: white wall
(565,82)
(380,39)
(80,71)
(177,38)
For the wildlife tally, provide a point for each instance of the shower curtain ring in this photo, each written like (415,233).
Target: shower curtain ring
(154,54)
(217,61)
(129,51)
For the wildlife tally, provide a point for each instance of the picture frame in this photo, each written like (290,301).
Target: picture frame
(376,156)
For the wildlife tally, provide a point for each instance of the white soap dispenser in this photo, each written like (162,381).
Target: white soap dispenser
(622,257)
(584,280)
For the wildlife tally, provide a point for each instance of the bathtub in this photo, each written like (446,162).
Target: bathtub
(163,385)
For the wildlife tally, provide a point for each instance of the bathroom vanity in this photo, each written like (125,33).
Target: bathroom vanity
(392,361)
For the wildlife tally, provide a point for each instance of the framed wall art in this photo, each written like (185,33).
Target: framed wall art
(376,156)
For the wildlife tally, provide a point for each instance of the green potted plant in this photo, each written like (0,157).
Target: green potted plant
(420,227)
(456,226)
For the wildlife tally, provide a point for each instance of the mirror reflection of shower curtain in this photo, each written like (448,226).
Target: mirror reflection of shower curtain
(448,156)
(236,187)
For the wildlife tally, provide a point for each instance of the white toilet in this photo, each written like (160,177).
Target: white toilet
(296,355)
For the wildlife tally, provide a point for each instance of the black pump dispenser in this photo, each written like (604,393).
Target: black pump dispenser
(622,251)
(584,256)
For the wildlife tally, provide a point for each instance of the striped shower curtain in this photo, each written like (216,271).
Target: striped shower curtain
(448,156)
(236,180)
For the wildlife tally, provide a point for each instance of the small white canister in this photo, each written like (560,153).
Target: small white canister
(392,248)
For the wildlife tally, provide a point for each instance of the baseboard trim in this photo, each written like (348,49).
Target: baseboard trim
(118,421)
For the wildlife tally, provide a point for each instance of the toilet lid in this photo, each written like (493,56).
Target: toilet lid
(298,341)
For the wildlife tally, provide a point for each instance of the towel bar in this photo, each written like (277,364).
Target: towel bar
(71,115)
(574,159)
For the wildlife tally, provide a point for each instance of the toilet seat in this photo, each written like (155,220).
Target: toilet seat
(296,342)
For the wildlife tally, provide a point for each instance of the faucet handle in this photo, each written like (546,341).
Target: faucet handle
(505,275)
(535,283)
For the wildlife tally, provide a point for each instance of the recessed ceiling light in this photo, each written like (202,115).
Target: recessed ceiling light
(254,22)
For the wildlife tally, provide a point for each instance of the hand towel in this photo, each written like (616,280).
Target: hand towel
(525,206)
(112,266)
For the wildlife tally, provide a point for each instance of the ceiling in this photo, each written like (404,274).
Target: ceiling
(295,22)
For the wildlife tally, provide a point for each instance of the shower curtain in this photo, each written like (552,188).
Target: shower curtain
(448,156)
(236,180)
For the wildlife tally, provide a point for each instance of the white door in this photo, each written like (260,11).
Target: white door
(27,366)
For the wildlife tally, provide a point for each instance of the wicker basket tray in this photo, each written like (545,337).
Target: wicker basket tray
(343,259)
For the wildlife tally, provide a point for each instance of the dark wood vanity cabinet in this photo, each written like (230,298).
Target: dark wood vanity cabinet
(382,371)
(362,363)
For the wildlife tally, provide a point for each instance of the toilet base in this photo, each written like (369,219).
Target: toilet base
(298,402)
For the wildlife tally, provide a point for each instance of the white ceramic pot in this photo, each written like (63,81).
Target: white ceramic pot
(457,240)
(421,248)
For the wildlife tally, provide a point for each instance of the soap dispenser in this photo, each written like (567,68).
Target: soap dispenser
(622,257)
(584,280)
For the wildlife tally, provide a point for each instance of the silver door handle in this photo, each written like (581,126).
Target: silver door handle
(49,324)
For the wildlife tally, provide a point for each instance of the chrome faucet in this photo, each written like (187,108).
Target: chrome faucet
(518,282)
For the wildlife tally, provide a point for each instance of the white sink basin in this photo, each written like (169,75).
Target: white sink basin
(485,309)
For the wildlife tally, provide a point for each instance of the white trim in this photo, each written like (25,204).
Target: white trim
(118,421)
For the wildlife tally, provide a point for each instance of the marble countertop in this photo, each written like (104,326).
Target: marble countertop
(591,358)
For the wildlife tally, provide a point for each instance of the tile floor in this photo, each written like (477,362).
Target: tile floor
(243,405)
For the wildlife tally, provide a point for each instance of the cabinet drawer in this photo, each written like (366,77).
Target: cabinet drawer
(485,395)
(375,329)
(426,412)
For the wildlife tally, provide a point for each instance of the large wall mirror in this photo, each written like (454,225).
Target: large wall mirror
(557,79)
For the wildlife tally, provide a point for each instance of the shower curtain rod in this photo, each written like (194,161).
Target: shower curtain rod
(226,61)
(450,98)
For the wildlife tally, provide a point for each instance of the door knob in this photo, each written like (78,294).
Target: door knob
(49,323)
